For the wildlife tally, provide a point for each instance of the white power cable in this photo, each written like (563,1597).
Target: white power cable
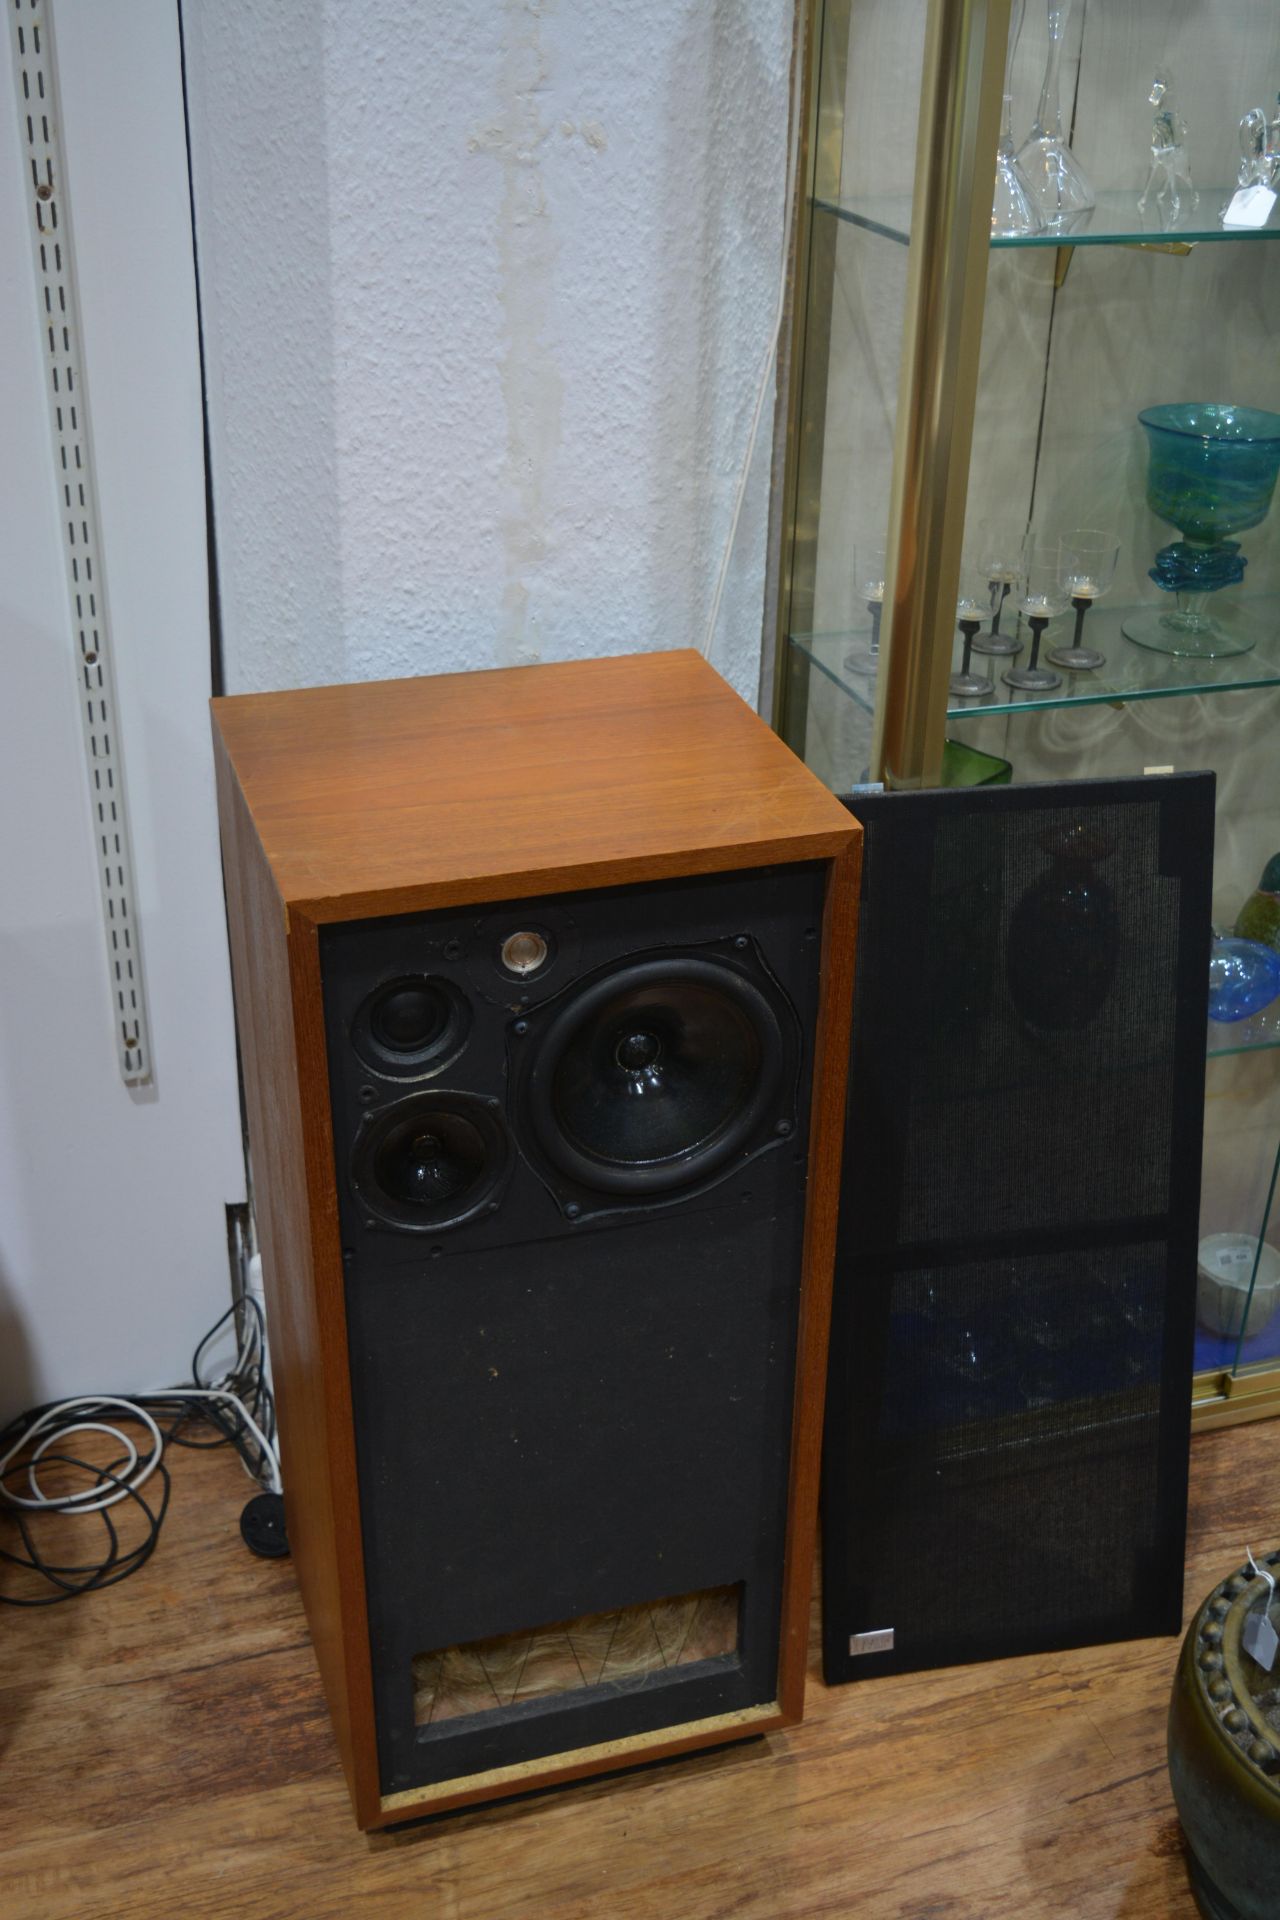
(766,372)
(136,1468)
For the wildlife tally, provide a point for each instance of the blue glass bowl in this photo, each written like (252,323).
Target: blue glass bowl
(1244,977)
(1211,471)
(1213,468)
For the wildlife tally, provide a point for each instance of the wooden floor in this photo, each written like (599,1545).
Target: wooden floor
(165,1752)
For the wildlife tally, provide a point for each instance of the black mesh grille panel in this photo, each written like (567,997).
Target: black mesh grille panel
(1010,1386)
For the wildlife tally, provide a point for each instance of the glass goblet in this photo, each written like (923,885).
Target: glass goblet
(1000,563)
(868,582)
(1087,559)
(972,608)
(1041,600)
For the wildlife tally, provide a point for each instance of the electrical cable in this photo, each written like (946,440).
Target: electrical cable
(238,1406)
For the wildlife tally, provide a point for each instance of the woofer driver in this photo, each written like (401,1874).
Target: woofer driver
(432,1161)
(653,1075)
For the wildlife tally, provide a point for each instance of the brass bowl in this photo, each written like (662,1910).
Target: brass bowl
(1224,1755)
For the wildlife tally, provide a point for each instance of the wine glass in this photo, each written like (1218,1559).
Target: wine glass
(973,606)
(1000,561)
(868,581)
(1087,559)
(1042,599)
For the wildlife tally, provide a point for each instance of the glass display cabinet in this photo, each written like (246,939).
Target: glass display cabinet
(1029,524)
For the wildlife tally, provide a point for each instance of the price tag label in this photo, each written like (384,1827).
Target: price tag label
(1259,1639)
(1236,1256)
(1251,207)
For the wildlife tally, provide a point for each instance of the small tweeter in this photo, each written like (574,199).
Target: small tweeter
(525,953)
(411,1026)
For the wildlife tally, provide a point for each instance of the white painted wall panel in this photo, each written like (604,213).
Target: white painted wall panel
(488,291)
(112,1235)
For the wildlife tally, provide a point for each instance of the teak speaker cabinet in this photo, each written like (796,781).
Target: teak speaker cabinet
(367,803)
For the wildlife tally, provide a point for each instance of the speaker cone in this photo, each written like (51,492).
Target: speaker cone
(654,1075)
(431,1161)
(411,1026)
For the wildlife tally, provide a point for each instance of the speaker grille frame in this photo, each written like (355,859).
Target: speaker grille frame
(1094,1466)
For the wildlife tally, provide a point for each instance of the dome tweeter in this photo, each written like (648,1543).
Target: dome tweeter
(651,1077)
(412,1026)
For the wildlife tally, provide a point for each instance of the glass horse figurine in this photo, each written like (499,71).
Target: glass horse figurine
(1211,471)
(1170,173)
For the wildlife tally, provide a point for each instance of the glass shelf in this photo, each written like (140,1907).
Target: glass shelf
(1131,672)
(1245,1036)
(1114,222)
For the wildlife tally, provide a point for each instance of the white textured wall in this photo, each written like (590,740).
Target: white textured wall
(113,1258)
(487,294)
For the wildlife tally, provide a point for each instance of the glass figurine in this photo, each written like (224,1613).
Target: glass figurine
(1170,173)
(1259,149)
(1058,183)
(1259,917)
(1013,211)
(1244,977)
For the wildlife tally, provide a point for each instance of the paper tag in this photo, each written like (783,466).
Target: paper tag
(1259,1638)
(1251,207)
(1236,1256)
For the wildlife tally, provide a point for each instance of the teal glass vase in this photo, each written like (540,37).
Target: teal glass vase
(1211,472)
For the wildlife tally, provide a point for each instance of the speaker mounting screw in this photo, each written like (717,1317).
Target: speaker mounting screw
(521,1026)
(783,1127)
(492,1206)
(493,1101)
(452,949)
(741,941)
(572,1210)
(368,1093)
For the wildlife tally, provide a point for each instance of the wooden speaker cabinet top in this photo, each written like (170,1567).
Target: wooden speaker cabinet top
(353,803)
(394,796)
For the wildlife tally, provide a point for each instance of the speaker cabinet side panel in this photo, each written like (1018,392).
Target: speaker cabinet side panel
(826,1150)
(286,1098)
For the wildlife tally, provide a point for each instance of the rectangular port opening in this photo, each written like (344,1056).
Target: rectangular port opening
(596,1650)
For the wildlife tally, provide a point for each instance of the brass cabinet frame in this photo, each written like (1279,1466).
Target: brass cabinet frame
(961,88)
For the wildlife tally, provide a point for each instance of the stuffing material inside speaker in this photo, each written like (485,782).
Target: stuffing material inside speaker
(597,1650)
